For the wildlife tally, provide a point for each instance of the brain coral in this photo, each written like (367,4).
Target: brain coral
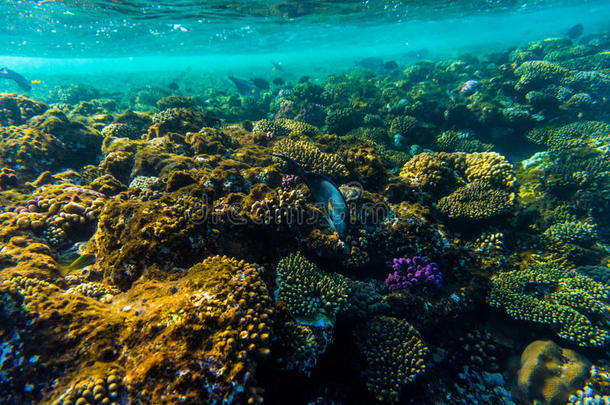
(312,296)
(549,373)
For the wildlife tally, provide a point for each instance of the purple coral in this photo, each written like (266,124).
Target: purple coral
(289,181)
(411,272)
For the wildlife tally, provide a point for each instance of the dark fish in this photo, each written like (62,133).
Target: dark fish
(245,88)
(575,31)
(324,191)
(371,63)
(278,66)
(390,65)
(278,81)
(260,83)
(173,86)
(21,81)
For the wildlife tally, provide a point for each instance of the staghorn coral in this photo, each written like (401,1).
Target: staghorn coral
(395,355)
(311,158)
(312,296)
(476,201)
(572,304)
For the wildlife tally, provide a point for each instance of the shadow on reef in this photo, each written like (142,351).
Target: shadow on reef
(153,250)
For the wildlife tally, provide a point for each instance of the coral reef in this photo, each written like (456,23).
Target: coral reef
(573,305)
(311,157)
(395,355)
(311,296)
(549,373)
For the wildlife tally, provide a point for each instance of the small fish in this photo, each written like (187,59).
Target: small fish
(260,83)
(80,262)
(469,87)
(575,31)
(173,86)
(21,81)
(278,66)
(324,191)
(245,88)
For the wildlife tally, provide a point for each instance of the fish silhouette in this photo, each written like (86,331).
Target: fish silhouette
(245,87)
(21,81)
(324,191)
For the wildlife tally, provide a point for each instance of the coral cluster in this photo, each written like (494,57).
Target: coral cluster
(412,272)
(570,303)
(311,296)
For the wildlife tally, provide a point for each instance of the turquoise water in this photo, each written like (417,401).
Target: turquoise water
(305,202)
(111,38)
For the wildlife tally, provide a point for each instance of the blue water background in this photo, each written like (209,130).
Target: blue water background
(106,43)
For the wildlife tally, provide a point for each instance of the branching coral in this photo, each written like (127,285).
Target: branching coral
(312,296)
(573,305)
(395,354)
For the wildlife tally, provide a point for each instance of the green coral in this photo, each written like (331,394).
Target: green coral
(564,136)
(574,232)
(537,73)
(452,141)
(395,354)
(311,158)
(312,296)
(572,304)
(476,201)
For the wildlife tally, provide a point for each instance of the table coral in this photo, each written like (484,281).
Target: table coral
(571,304)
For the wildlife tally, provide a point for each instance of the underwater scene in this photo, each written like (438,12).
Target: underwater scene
(338,202)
